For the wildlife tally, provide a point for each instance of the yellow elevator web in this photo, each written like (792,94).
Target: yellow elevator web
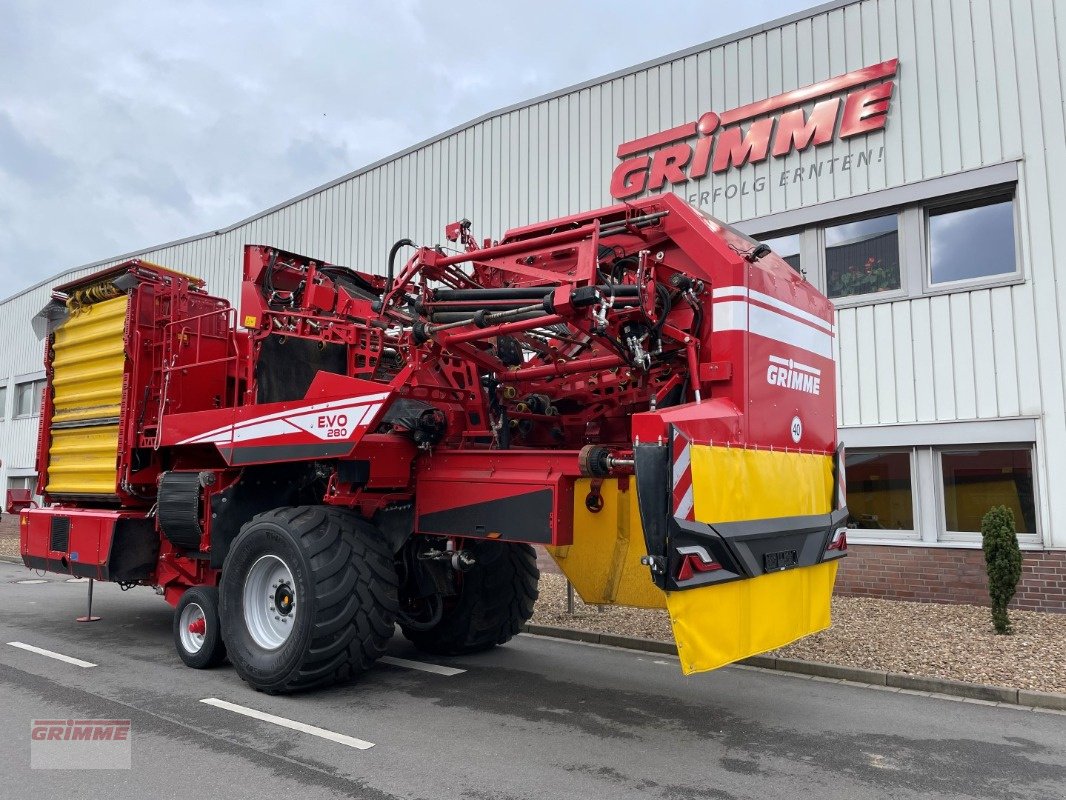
(87,369)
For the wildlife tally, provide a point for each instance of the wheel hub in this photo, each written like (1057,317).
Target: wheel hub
(192,628)
(270,602)
(283,600)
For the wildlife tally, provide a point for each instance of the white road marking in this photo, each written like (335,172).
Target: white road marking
(31,582)
(303,727)
(77,580)
(437,669)
(57,656)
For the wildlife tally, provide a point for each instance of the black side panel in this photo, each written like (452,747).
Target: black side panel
(522,518)
(259,489)
(287,365)
(396,524)
(134,550)
(652,468)
(242,456)
(45,564)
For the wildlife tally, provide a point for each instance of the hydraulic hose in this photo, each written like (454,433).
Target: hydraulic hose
(392,260)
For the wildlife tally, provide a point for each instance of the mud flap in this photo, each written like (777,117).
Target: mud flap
(741,550)
(718,625)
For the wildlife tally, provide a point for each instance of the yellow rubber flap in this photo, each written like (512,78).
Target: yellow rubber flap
(720,624)
(717,625)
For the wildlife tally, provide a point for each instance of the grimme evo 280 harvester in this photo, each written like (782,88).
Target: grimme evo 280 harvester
(642,389)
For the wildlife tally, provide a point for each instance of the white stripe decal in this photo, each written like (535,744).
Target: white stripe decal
(806,316)
(778,327)
(223,434)
(685,505)
(731,315)
(738,292)
(77,662)
(681,463)
(735,315)
(273,427)
(302,727)
(422,666)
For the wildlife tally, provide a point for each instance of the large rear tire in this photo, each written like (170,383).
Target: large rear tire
(495,600)
(308,598)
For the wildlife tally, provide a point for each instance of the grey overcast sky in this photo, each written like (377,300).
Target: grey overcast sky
(125,124)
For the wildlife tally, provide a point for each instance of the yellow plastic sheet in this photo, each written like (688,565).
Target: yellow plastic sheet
(719,624)
(603,563)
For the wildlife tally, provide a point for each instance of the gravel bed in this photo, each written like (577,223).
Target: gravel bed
(9,546)
(946,641)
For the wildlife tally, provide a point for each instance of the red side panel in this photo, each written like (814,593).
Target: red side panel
(74,541)
(525,496)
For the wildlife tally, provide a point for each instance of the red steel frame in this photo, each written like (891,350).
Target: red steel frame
(614,313)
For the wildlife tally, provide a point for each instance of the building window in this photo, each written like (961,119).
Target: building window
(972,241)
(787,246)
(3,402)
(879,490)
(862,257)
(977,480)
(28,398)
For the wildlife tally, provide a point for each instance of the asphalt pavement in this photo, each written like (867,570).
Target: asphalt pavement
(538,718)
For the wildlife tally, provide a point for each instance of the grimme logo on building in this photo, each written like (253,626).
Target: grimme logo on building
(650,162)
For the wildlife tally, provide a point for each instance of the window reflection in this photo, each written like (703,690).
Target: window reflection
(788,247)
(862,257)
(879,490)
(972,241)
(977,480)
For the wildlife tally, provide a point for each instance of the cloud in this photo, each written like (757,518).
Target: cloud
(125,124)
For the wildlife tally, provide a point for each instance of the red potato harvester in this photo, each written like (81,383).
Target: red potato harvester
(643,390)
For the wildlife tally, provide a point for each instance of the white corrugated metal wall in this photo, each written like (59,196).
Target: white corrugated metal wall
(979,84)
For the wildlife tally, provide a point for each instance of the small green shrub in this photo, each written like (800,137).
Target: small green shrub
(1003,560)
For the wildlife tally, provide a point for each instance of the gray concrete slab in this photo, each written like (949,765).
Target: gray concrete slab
(536,719)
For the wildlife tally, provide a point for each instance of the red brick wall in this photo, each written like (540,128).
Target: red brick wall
(949,575)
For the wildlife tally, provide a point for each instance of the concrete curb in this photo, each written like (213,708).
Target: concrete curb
(894,680)
(11,559)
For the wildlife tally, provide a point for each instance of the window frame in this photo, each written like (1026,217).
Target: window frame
(868,298)
(881,535)
(991,194)
(803,271)
(35,410)
(974,537)
(915,245)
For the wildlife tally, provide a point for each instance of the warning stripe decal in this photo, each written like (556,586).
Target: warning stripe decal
(684,506)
